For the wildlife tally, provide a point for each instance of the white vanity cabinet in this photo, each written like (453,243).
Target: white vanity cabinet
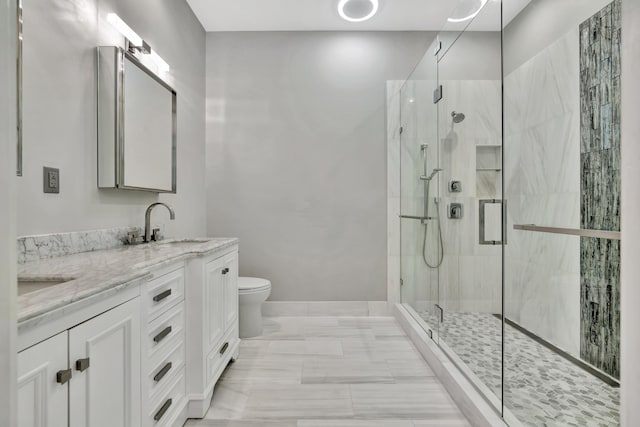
(212,327)
(42,401)
(145,353)
(87,376)
(163,348)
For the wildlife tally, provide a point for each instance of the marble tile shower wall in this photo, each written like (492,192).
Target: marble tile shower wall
(417,118)
(470,276)
(542,186)
(393,190)
(600,187)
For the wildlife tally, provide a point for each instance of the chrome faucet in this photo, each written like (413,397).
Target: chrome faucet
(147,220)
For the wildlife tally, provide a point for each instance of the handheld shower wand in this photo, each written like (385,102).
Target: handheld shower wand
(430,177)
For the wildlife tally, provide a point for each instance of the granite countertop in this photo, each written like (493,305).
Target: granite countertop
(91,273)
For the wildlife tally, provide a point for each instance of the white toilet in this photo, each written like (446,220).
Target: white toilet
(252,292)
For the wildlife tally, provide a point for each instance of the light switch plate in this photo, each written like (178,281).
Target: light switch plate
(50,180)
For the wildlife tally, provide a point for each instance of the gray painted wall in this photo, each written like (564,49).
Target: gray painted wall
(60,114)
(8,289)
(523,37)
(630,291)
(296,155)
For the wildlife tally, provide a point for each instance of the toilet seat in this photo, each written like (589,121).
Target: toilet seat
(253,284)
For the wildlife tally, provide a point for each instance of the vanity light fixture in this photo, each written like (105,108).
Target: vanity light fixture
(471,16)
(136,42)
(357,10)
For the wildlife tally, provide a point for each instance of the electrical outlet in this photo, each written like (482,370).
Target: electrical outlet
(51,180)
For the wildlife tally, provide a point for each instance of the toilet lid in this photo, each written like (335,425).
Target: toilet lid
(252,283)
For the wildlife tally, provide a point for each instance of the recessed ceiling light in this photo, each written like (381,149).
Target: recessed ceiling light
(463,10)
(357,10)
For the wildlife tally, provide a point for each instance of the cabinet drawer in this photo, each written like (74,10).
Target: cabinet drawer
(162,331)
(220,356)
(162,370)
(168,403)
(163,292)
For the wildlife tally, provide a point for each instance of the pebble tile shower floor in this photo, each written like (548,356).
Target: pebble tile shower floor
(541,387)
(329,372)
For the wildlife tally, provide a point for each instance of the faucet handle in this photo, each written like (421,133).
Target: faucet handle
(155,235)
(132,237)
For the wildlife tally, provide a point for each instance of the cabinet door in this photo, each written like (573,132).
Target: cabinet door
(214,303)
(104,353)
(42,400)
(230,290)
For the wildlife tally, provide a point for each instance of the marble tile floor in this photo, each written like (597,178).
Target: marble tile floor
(330,372)
(541,387)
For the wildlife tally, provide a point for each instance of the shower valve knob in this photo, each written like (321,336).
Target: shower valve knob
(455,211)
(455,186)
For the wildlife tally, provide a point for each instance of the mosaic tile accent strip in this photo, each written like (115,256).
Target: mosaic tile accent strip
(600,188)
(541,388)
(33,248)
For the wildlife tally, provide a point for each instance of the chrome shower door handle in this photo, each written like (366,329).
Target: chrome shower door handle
(482,226)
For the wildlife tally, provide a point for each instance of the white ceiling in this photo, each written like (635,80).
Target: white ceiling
(322,15)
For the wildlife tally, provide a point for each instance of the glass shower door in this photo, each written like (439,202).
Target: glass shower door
(420,249)
(470,208)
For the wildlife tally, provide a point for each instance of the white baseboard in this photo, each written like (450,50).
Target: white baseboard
(325,308)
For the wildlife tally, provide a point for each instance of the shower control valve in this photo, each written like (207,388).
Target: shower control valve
(455,211)
(455,186)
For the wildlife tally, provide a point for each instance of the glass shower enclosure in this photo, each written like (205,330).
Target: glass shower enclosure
(509,243)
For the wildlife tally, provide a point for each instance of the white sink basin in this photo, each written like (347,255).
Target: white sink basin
(26,286)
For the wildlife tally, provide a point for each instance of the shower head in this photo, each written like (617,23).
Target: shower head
(457,117)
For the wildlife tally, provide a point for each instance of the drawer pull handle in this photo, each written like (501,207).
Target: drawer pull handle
(224,348)
(63,377)
(162,295)
(162,335)
(162,372)
(82,364)
(162,410)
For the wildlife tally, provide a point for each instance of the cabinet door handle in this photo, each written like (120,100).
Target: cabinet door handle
(63,377)
(225,270)
(82,364)
(224,348)
(162,335)
(162,410)
(162,295)
(162,372)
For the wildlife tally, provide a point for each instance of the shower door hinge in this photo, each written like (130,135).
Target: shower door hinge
(401,130)
(437,94)
(401,282)
(441,310)
(436,50)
